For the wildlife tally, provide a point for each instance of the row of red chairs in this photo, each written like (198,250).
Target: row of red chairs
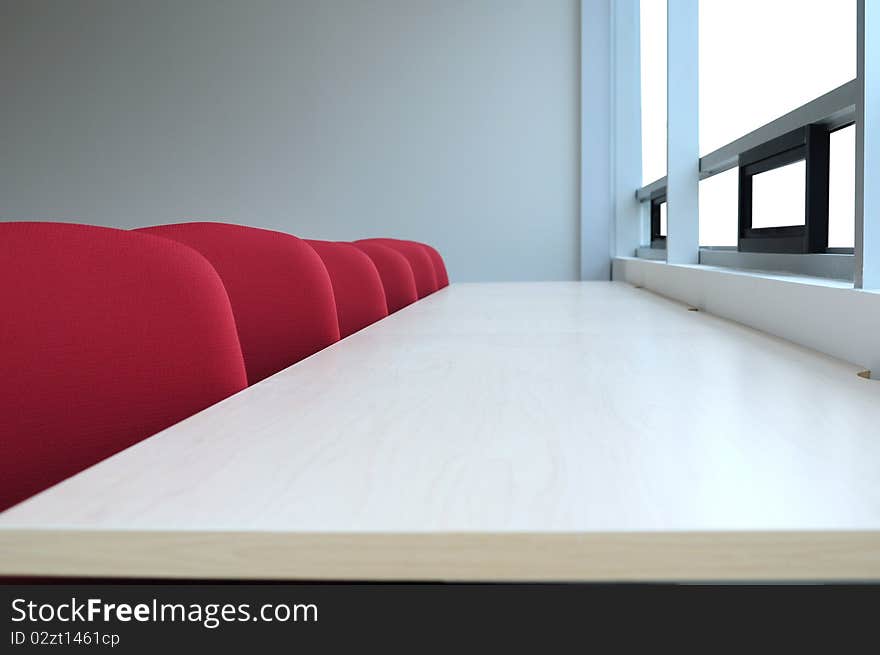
(108,336)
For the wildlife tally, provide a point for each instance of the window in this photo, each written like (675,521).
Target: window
(653,83)
(658,222)
(778,196)
(760,59)
(783,193)
(842,189)
(773,65)
(718,209)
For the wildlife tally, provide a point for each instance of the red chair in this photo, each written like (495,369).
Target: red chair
(357,287)
(419,261)
(396,274)
(278,286)
(106,337)
(439,265)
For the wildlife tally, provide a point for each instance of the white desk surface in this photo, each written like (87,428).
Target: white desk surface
(521,431)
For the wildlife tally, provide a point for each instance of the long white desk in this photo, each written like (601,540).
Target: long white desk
(537,431)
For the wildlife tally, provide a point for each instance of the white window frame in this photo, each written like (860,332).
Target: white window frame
(855,102)
(845,325)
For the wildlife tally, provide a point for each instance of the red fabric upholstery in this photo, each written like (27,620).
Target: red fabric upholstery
(357,287)
(106,337)
(395,272)
(439,265)
(278,286)
(419,261)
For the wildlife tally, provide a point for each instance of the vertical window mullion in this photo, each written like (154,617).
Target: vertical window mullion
(867,232)
(683,137)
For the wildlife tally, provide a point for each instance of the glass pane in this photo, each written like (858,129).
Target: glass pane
(653,71)
(842,189)
(759,59)
(663,219)
(779,196)
(719,209)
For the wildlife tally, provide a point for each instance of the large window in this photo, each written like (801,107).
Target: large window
(790,186)
(653,79)
(760,59)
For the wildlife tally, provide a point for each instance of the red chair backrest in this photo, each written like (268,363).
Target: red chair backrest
(357,287)
(439,265)
(106,337)
(279,288)
(419,261)
(396,274)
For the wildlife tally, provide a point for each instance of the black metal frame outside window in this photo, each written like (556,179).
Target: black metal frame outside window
(810,144)
(658,240)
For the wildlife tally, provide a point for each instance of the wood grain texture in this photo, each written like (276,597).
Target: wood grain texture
(497,431)
(621,556)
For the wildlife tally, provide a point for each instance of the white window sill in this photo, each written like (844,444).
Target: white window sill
(822,313)
(838,269)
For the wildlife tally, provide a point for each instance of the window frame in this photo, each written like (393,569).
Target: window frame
(837,250)
(658,241)
(810,143)
(836,109)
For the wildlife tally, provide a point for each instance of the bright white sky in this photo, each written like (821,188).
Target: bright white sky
(786,182)
(759,59)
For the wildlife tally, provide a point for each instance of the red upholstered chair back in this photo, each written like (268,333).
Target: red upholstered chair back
(439,265)
(357,287)
(419,261)
(106,337)
(278,286)
(396,274)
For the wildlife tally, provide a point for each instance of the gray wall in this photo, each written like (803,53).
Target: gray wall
(445,121)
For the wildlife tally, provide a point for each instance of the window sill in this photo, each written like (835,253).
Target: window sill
(821,313)
(781,276)
(836,268)
(654,254)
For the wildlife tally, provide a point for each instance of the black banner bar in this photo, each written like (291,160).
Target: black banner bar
(415,617)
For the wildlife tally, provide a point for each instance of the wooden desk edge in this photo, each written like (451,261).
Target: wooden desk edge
(464,556)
